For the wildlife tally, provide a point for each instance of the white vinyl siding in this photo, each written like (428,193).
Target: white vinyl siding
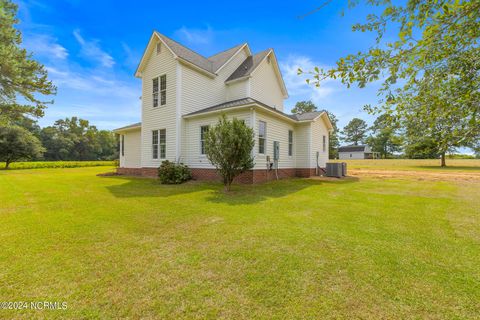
(200,91)
(302,146)
(192,156)
(265,86)
(163,117)
(262,136)
(319,130)
(131,155)
(276,131)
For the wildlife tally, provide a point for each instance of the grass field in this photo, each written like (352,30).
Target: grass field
(416,165)
(120,247)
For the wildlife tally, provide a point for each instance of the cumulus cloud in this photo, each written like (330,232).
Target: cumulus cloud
(297,85)
(91,49)
(195,36)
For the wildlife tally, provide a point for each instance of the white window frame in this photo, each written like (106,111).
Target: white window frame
(158,48)
(155,144)
(202,139)
(163,91)
(324,143)
(262,138)
(162,142)
(159,92)
(290,143)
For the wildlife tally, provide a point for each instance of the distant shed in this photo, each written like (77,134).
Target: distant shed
(356,152)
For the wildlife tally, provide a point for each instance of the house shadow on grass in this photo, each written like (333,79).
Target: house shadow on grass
(250,194)
(240,194)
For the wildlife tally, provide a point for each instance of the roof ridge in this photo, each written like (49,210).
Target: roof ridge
(223,51)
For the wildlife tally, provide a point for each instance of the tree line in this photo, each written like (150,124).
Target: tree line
(386,136)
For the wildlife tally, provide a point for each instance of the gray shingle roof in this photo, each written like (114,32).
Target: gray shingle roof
(352,148)
(130,126)
(220,58)
(247,67)
(246,101)
(211,64)
(306,115)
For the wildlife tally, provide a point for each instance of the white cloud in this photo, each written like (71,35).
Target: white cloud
(296,84)
(195,36)
(92,50)
(45,46)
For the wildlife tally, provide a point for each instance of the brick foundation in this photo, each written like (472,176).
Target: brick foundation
(249,177)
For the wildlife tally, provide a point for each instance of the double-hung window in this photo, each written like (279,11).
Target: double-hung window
(262,136)
(290,142)
(203,132)
(159,91)
(324,143)
(155,144)
(159,144)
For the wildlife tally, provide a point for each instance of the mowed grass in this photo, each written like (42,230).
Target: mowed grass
(120,247)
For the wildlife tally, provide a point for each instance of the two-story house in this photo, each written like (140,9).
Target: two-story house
(183,93)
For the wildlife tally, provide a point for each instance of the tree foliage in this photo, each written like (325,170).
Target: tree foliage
(385,139)
(17,143)
(429,71)
(20,75)
(228,146)
(304,106)
(75,139)
(333,139)
(355,131)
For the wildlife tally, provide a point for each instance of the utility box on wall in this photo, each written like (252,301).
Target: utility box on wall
(276,150)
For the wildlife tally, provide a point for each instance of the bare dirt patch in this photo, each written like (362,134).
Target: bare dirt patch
(418,175)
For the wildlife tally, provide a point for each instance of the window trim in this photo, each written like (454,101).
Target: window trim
(264,137)
(155,145)
(162,144)
(290,143)
(122,144)
(202,139)
(159,95)
(324,143)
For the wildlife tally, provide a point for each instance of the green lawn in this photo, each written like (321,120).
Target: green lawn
(119,247)
(55,164)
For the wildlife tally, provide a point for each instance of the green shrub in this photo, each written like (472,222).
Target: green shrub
(173,173)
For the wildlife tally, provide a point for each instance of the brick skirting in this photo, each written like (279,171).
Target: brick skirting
(249,177)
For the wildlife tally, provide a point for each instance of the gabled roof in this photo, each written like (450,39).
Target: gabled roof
(220,59)
(248,66)
(210,65)
(129,127)
(352,148)
(311,116)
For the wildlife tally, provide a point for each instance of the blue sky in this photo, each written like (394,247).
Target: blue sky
(91,50)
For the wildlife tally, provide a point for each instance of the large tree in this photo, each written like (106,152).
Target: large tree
(333,140)
(228,146)
(384,138)
(20,75)
(17,143)
(426,56)
(304,107)
(355,131)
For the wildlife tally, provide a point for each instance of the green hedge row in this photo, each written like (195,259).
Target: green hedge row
(57,164)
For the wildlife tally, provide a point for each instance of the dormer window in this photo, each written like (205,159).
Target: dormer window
(159,48)
(268,59)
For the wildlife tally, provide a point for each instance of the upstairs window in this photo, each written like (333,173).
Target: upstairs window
(203,131)
(163,90)
(155,92)
(324,143)
(159,48)
(290,142)
(262,135)
(159,88)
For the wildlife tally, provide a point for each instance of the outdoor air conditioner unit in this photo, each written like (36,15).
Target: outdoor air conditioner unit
(344,169)
(334,170)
